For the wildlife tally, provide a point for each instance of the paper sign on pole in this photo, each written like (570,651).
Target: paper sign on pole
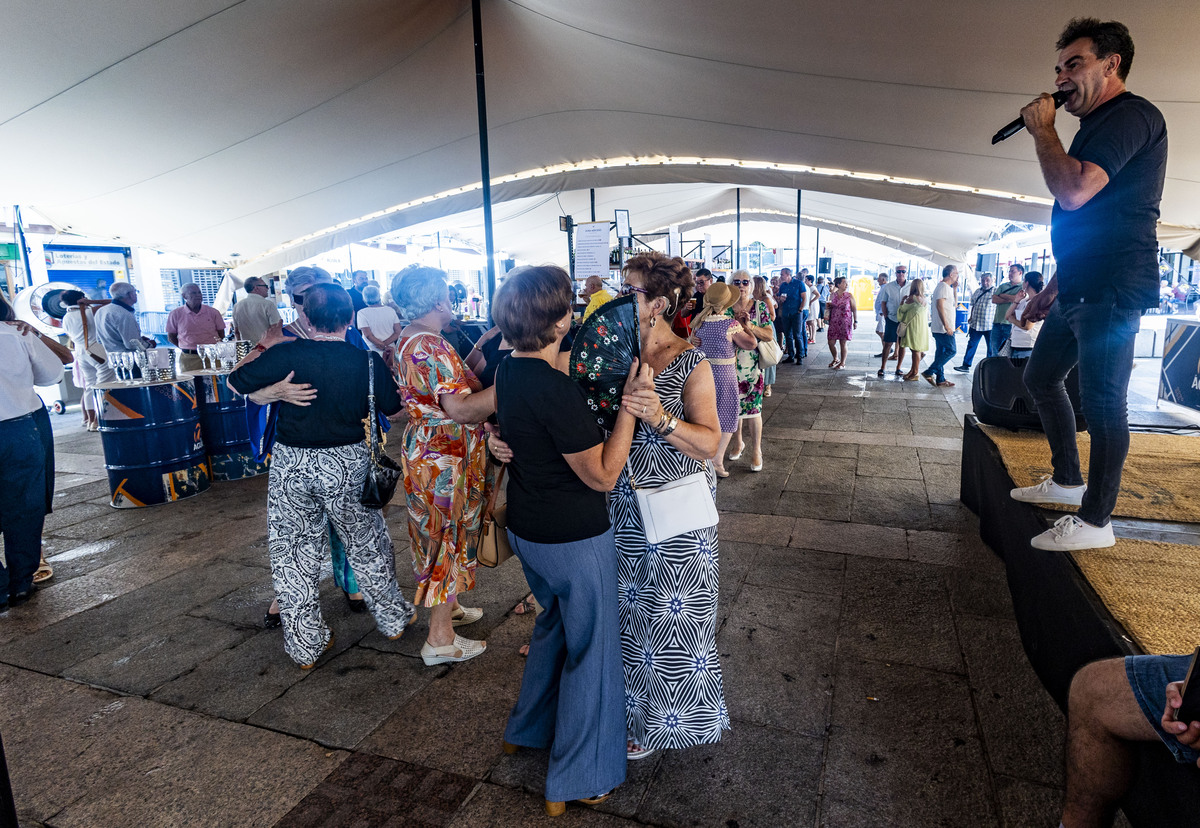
(674,241)
(591,249)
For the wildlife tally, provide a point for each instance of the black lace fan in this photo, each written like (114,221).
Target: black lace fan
(605,347)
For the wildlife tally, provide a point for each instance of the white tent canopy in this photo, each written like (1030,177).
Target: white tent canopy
(264,133)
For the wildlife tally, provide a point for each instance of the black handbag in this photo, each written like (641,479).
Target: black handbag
(382,472)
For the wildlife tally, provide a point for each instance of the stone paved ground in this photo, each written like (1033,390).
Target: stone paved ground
(872,664)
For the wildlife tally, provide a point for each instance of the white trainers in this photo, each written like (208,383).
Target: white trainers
(463,649)
(1070,534)
(1050,492)
(461,616)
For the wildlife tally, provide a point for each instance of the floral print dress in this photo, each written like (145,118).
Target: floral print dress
(445,470)
(749,374)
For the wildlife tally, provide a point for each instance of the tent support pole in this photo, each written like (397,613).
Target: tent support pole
(593,192)
(484,164)
(737,262)
(798,194)
(817,256)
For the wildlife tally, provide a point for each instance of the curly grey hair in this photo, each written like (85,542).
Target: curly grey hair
(418,289)
(302,277)
(371,295)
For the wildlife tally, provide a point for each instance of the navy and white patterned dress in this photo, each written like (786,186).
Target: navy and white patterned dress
(668,596)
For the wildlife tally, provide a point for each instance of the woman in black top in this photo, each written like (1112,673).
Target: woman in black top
(317,473)
(572,695)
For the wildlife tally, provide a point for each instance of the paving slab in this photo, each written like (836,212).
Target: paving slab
(236,682)
(347,697)
(369,790)
(820,448)
(161,654)
(87,634)
(746,491)
(775,530)
(979,593)
(1024,803)
(850,538)
(898,611)
(801,570)
(888,501)
(1022,726)
(815,506)
(903,751)
(738,781)
(941,483)
(898,424)
(952,549)
(429,729)
(822,475)
(889,461)
(780,677)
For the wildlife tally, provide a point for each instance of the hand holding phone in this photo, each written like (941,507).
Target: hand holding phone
(1189,707)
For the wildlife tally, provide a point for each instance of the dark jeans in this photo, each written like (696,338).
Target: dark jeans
(996,339)
(793,344)
(973,337)
(943,353)
(1099,339)
(23,503)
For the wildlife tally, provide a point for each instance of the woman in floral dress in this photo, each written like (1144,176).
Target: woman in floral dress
(842,318)
(755,319)
(444,462)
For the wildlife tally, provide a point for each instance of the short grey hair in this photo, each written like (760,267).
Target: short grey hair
(371,295)
(418,289)
(302,277)
(118,289)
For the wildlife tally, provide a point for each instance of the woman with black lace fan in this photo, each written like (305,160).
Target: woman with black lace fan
(668,591)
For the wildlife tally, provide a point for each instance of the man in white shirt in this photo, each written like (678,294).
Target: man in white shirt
(893,294)
(117,327)
(379,324)
(941,314)
(256,314)
(27,362)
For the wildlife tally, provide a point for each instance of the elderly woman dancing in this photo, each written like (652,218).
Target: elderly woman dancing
(317,473)
(668,591)
(444,460)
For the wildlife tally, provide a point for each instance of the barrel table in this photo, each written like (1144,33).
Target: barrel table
(224,428)
(153,449)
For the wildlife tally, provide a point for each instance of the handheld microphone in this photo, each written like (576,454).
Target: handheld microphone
(1018,124)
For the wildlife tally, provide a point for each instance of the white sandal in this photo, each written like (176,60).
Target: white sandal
(463,649)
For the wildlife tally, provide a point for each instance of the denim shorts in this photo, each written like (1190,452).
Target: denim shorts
(1149,677)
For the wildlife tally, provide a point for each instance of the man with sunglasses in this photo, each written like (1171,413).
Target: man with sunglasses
(893,294)
(791,300)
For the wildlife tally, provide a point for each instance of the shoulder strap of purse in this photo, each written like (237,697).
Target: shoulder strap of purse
(491,501)
(373,422)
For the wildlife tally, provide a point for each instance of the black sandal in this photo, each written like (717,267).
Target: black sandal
(271,620)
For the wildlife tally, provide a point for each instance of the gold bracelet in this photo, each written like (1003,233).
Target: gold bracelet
(671,426)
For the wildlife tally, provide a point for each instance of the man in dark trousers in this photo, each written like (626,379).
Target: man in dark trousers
(1106,190)
(791,298)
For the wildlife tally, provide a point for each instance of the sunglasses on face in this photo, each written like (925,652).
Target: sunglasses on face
(741,281)
(627,289)
(298,298)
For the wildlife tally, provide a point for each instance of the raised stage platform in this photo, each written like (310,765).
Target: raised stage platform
(1063,622)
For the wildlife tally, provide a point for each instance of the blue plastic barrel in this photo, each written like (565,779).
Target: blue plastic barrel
(152,446)
(961,315)
(224,429)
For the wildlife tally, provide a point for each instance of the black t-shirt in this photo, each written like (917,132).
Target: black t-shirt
(543,415)
(1107,250)
(338,371)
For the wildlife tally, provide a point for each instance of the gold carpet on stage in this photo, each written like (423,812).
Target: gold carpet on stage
(1151,588)
(1161,480)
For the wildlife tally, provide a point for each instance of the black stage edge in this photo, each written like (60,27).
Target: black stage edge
(1063,623)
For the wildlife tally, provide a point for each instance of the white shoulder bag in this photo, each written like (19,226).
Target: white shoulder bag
(677,507)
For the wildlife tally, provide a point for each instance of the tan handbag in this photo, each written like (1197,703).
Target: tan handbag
(494,548)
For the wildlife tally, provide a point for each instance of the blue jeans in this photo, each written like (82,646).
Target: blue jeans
(1148,678)
(23,503)
(996,339)
(794,345)
(1099,339)
(973,337)
(573,692)
(943,353)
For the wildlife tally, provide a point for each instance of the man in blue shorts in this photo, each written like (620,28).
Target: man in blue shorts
(892,293)
(1114,703)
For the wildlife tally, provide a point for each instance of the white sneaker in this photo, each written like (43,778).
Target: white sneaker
(1070,534)
(1050,492)
(463,649)
(461,616)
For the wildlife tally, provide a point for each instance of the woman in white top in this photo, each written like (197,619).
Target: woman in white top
(1024,334)
(379,324)
(73,326)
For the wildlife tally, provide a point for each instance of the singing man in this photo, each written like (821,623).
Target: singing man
(1107,190)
